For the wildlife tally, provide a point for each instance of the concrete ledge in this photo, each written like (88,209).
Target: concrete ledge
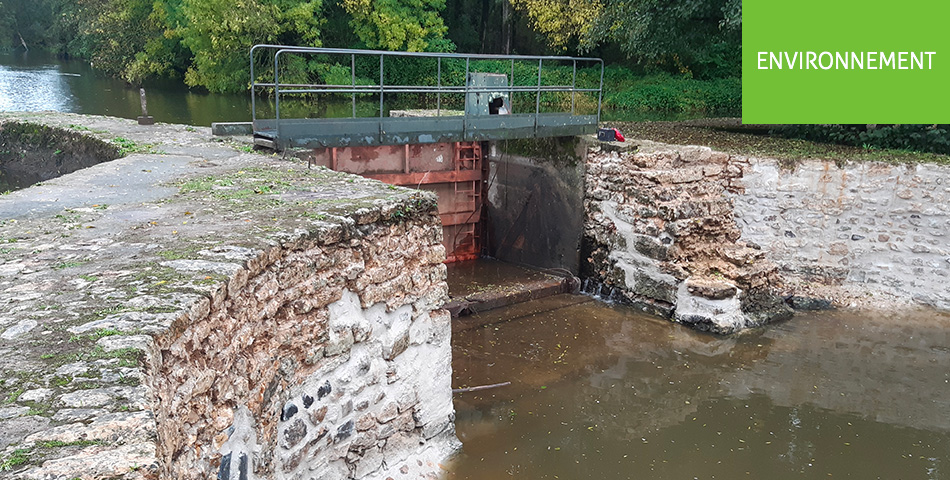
(222,129)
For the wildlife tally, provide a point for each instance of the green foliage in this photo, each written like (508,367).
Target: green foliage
(219,34)
(412,25)
(107,32)
(562,21)
(18,457)
(665,93)
(930,138)
(698,38)
(27,21)
(127,146)
(206,42)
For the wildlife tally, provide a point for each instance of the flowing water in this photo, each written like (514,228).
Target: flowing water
(599,391)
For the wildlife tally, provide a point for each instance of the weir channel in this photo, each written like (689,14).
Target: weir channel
(197,310)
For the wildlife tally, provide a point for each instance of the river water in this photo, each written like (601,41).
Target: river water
(35,81)
(602,392)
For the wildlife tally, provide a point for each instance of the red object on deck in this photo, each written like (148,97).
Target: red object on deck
(454,171)
(619,136)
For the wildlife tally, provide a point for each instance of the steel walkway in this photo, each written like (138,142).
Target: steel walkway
(485,89)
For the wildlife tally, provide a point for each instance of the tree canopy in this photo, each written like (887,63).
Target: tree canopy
(205,42)
(701,37)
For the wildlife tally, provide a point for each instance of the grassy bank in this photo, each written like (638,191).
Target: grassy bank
(729,135)
(624,91)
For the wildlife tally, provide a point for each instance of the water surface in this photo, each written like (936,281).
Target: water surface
(36,81)
(600,391)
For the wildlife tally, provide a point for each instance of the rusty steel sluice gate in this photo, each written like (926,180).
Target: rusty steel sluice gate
(427,146)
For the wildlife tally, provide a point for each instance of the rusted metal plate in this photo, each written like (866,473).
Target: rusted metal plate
(453,171)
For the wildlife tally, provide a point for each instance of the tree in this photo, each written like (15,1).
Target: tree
(562,21)
(108,33)
(413,25)
(219,34)
(697,37)
(26,23)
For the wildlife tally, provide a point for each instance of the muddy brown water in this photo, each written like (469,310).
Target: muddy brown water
(600,391)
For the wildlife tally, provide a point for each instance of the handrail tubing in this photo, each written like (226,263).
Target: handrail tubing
(382,89)
(481,56)
(432,88)
(456,90)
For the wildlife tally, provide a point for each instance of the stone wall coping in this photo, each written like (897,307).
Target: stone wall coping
(96,263)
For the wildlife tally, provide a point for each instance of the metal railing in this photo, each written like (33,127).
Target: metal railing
(381,89)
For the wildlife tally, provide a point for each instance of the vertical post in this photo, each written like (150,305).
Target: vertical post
(511,83)
(600,90)
(353,79)
(465,100)
(142,100)
(253,89)
(573,86)
(380,87)
(438,96)
(537,98)
(145,118)
(276,100)
(406,157)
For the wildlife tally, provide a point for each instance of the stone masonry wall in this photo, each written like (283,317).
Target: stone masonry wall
(326,357)
(195,310)
(883,228)
(660,234)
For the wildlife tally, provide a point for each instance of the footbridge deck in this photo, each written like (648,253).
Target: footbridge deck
(494,97)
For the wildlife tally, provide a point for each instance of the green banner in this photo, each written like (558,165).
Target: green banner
(830,61)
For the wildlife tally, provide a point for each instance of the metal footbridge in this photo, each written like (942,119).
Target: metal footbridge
(464,98)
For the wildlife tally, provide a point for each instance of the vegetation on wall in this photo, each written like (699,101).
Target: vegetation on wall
(931,138)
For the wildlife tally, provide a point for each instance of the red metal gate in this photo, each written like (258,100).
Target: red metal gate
(454,171)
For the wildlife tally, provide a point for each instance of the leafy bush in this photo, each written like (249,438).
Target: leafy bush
(667,93)
(933,138)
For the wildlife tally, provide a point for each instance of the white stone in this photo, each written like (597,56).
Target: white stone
(19,329)
(725,315)
(134,461)
(221,268)
(230,252)
(70,415)
(87,398)
(11,269)
(72,369)
(11,412)
(119,342)
(37,395)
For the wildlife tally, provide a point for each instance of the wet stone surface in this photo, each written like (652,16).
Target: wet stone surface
(660,233)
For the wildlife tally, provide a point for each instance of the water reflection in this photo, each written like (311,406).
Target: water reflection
(35,86)
(36,81)
(602,392)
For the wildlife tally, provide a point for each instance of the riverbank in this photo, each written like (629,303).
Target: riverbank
(729,135)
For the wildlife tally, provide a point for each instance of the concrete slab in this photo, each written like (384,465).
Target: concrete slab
(485,284)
